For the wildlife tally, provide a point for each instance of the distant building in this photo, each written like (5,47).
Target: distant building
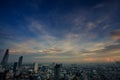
(20,62)
(5,58)
(15,67)
(36,67)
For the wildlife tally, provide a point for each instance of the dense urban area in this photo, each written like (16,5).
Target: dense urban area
(57,71)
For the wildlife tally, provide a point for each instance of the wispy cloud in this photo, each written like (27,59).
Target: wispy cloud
(115,34)
(73,47)
(68,49)
(78,34)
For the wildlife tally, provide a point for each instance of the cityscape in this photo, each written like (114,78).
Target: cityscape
(55,71)
(59,39)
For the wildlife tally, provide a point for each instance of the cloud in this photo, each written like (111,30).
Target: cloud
(76,34)
(72,47)
(36,27)
(115,34)
(109,50)
(76,43)
(68,50)
(102,59)
(6,33)
(90,26)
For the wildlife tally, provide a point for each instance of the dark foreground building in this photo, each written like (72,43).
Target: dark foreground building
(5,58)
(57,70)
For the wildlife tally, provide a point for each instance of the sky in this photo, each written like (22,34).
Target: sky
(63,31)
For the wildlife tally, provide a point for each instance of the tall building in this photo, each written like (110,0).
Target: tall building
(5,58)
(36,67)
(20,62)
(57,70)
(15,67)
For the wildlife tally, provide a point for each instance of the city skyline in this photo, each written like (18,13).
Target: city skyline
(64,31)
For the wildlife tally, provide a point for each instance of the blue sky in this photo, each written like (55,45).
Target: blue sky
(60,30)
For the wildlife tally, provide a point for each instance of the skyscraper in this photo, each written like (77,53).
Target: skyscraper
(35,67)
(20,62)
(57,69)
(5,58)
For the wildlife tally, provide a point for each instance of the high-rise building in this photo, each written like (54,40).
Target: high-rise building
(36,67)
(57,70)
(20,62)
(15,67)
(5,58)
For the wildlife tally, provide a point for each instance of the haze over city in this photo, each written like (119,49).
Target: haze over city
(63,31)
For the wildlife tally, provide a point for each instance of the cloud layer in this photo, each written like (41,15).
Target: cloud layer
(61,31)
